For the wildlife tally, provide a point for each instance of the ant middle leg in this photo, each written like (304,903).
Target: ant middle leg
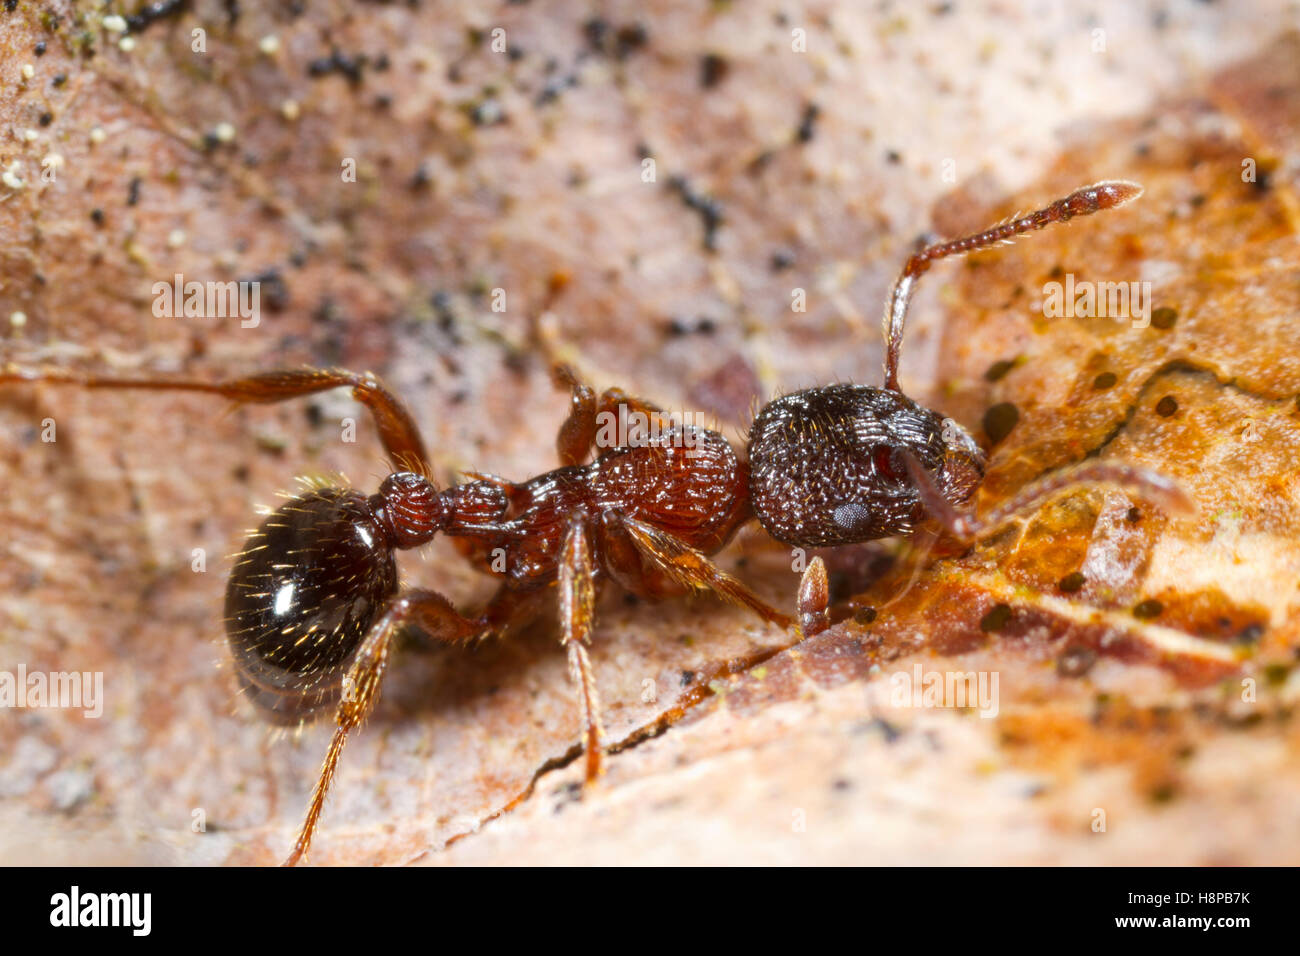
(577,598)
(680,563)
(966,527)
(397,429)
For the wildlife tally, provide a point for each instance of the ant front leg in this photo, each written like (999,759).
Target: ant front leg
(580,432)
(397,429)
(814,601)
(577,434)
(430,612)
(693,569)
(966,527)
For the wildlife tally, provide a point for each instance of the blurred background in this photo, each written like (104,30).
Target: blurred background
(453,196)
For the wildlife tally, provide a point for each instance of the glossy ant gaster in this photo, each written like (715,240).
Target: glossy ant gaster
(314,601)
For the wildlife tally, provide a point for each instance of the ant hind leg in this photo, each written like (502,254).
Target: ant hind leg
(397,429)
(427,610)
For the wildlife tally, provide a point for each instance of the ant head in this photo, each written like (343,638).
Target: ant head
(827,465)
(303,593)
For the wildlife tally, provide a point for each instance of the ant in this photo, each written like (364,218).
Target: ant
(313,601)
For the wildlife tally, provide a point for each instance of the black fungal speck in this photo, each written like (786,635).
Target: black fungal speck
(808,123)
(713,70)
(1075,661)
(999,369)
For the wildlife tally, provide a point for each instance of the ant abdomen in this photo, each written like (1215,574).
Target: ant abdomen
(826,466)
(301,597)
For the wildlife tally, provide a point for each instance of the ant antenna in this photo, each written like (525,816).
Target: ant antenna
(1081,202)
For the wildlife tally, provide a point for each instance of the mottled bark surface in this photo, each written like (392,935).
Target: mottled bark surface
(774,170)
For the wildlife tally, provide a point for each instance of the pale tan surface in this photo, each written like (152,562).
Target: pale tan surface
(99,527)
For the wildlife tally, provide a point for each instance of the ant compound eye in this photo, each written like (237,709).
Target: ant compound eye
(851,515)
(301,597)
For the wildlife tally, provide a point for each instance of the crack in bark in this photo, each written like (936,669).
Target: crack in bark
(696,695)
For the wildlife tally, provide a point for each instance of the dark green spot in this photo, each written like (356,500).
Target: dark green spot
(1164,317)
(998,369)
(1105,380)
(999,420)
(1276,674)
(1148,609)
(1164,793)
(996,619)
(1072,582)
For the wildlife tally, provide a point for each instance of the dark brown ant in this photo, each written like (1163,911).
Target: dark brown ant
(314,601)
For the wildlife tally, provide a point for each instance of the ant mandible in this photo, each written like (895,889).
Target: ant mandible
(313,602)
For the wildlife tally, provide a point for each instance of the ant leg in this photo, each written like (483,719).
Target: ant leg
(505,609)
(814,599)
(614,399)
(427,610)
(967,528)
(579,433)
(397,429)
(1081,202)
(693,569)
(622,559)
(577,609)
